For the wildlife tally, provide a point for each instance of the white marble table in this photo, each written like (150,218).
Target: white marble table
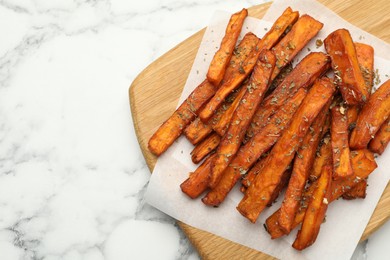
(72,177)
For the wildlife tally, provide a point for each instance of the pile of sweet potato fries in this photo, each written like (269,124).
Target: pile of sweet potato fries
(310,134)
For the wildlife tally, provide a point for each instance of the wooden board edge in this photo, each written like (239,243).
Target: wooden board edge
(226,250)
(378,219)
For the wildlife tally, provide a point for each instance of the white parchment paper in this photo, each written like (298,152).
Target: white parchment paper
(345,221)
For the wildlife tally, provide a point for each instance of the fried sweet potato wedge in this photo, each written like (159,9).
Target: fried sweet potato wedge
(303,75)
(324,155)
(303,163)
(352,114)
(315,212)
(284,22)
(231,141)
(381,139)
(282,184)
(363,164)
(220,126)
(271,225)
(173,127)
(251,175)
(205,147)
(341,49)
(222,57)
(357,192)
(198,180)
(197,131)
(252,151)
(365,57)
(340,146)
(242,51)
(259,192)
(245,69)
(373,114)
(289,46)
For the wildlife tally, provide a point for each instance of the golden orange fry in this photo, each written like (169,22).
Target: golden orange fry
(316,210)
(340,146)
(205,147)
(198,180)
(222,57)
(381,139)
(373,114)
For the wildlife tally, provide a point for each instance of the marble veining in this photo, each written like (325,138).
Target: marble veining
(72,177)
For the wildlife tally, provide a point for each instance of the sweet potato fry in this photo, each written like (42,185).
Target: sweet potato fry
(252,150)
(271,225)
(282,184)
(315,212)
(352,114)
(365,57)
(172,128)
(284,22)
(381,139)
(363,164)
(197,182)
(357,192)
(220,126)
(242,117)
(341,49)
(259,192)
(289,46)
(251,175)
(222,57)
(323,156)
(197,131)
(240,54)
(339,139)
(373,114)
(284,72)
(300,172)
(302,76)
(205,147)
(245,69)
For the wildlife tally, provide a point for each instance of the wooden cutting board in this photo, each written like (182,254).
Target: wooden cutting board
(155,92)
